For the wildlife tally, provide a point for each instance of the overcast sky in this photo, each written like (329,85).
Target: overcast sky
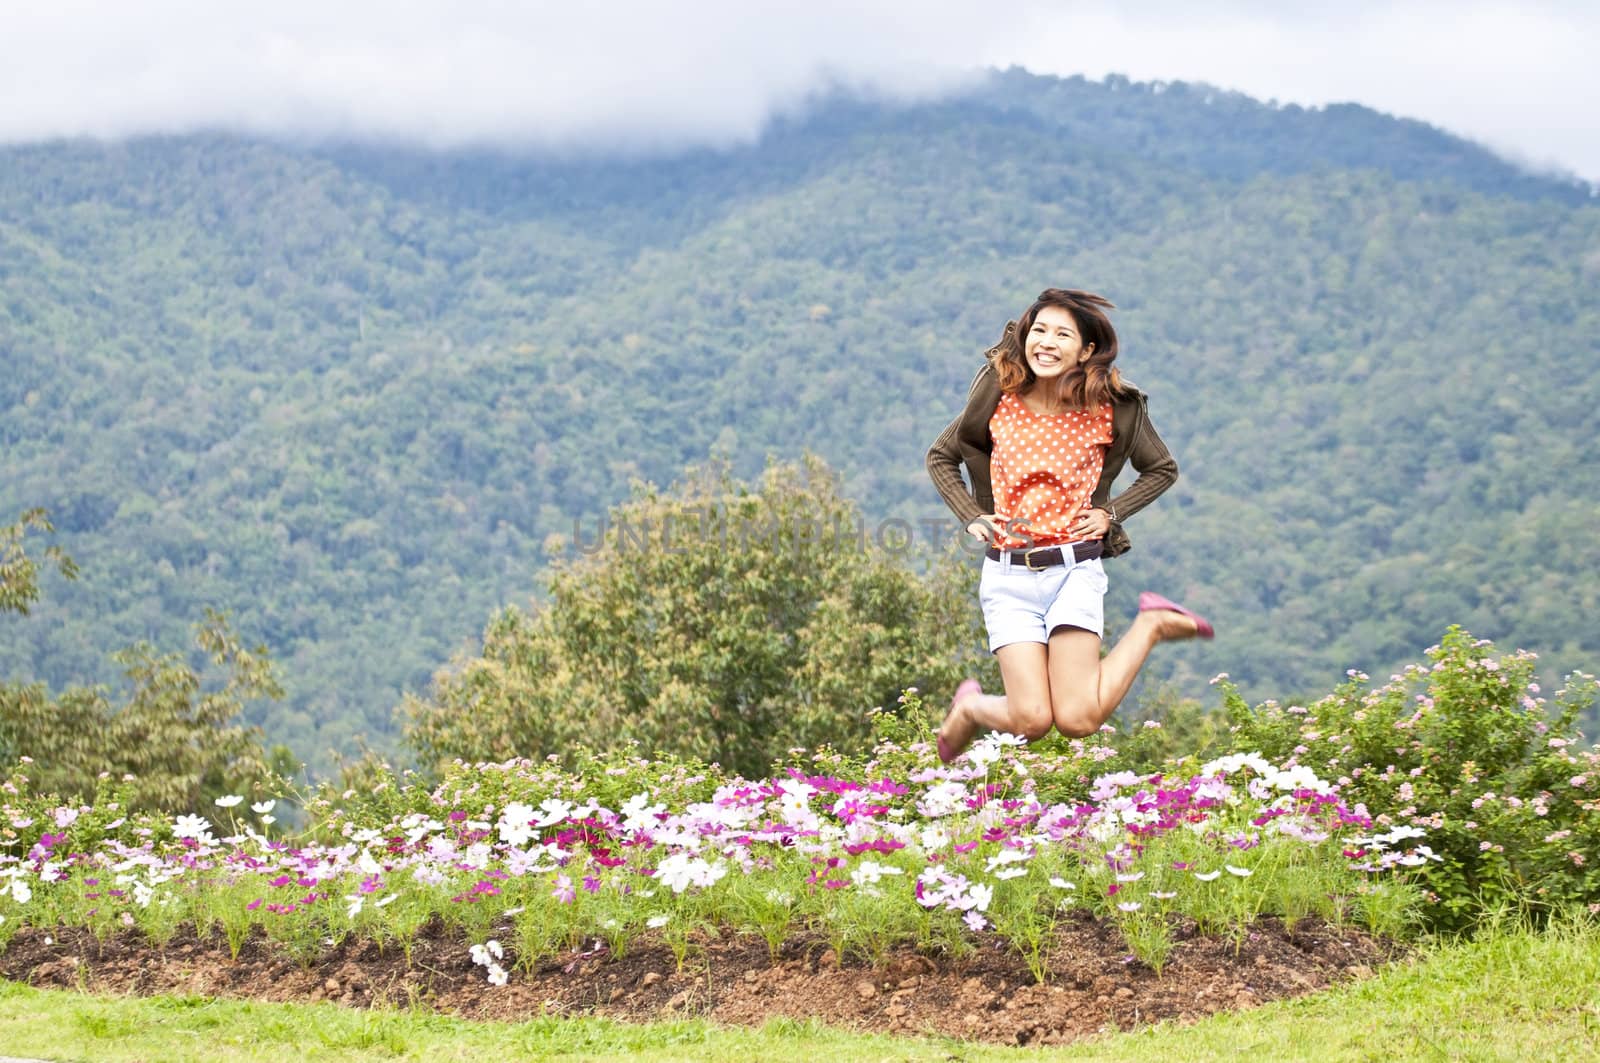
(653,75)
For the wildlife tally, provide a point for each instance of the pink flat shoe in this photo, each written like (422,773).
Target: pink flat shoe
(1150,601)
(947,751)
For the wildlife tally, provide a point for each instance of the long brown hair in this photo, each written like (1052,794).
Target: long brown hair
(1085,385)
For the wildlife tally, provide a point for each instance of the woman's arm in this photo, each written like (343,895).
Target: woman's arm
(1154,463)
(944,465)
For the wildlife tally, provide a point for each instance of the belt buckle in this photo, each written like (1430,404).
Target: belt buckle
(1027,558)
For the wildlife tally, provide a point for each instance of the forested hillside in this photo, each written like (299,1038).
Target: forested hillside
(346,393)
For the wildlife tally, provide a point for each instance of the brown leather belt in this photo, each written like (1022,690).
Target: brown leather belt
(1042,557)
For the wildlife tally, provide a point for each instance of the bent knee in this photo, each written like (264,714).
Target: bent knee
(1077,721)
(1034,722)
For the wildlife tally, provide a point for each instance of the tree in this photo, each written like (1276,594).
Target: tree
(718,620)
(19,573)
(180,741)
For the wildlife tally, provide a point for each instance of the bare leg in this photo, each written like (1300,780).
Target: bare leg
(1085,688)
(1067,684)
(1025,708)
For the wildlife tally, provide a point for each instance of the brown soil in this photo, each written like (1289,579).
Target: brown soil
(1094,985)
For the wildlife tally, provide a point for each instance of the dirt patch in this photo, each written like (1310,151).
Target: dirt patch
(1094,984)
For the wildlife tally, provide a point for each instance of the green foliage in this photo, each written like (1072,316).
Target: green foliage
(176,742)
(19,573)
(1468,752)
(347,394)
(717,620)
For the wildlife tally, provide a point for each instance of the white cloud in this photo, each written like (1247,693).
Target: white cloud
(632,74)
(1513,76)
(644,75)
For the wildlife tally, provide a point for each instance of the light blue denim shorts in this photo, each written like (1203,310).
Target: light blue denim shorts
(1020,605)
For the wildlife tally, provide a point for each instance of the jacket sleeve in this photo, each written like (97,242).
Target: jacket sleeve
(944,465)
(1157,469)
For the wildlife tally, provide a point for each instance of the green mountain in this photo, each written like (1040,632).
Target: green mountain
(346,392)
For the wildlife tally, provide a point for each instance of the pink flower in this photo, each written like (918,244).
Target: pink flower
(563,891)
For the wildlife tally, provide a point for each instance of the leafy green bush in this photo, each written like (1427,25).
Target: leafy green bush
(178,743)
(1469,751)
(716,621)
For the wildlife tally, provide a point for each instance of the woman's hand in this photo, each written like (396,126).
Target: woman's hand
(983,528)
(1091,524)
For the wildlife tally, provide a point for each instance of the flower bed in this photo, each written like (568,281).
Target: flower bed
(529,861)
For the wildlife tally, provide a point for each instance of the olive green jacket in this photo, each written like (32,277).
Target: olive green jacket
(1133,438)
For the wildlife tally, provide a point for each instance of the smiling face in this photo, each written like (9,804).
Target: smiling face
(1053,344)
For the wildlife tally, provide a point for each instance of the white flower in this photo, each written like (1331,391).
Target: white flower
(194,827)
(1011,872)
(680,871)
(552,811)
(390,899)
(1208,876)
(1234,762)
(1006,856)
(984,752)
(261,808)
(1129,906)
(515,824)
(484,955)
(870,873)
(268,819)
(356,901)
(639,814)
(656,922)
(1060,883)
(228,800)
(1242,872)
(498,975)
(978,897)
(1131,876)
(943,800)
(21,891)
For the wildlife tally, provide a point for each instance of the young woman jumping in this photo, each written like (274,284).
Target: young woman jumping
(1048,425)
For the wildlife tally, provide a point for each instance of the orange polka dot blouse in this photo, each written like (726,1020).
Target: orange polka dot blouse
(1045,469)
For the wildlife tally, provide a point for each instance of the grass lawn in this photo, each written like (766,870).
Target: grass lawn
(1510,995)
